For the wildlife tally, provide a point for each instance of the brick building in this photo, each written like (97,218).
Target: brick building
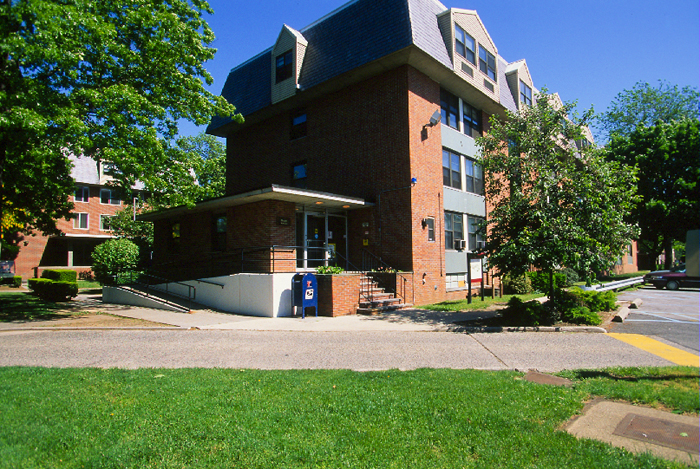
(359,146)
(95,203)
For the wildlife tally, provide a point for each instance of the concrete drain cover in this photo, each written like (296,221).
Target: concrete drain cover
(660,432)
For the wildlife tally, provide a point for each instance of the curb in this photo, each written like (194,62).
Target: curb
(622,314)
(135,328)
(636,303)
(472,329)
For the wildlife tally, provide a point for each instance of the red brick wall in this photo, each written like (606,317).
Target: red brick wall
(31,253)
(338,295)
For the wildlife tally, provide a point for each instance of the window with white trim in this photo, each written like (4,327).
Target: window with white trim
(471,117)
(284,66)
(525,94)
(109,197)
(80,221)
(449,108)
(487,63)
(82,194)
(465,45)
(105,222)
(430,225)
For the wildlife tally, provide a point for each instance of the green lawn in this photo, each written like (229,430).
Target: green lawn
(477,304)
(211,418)
(22,306)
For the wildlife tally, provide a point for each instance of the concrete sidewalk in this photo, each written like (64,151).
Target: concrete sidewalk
(409,320)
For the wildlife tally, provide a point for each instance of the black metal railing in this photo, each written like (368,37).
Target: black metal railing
(148,283)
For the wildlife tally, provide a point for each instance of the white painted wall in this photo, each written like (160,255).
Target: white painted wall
(123,297)
(266,295)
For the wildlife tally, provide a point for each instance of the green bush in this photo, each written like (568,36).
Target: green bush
(580,315)
(331,269)
(51,290)
(15,281)
(571,276)
(60,275)
(516,285)
(114,257)
(531,313)
(540,281)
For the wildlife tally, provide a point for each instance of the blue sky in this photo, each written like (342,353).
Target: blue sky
(587,51)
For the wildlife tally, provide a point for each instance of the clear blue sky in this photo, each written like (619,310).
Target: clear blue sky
(587,51)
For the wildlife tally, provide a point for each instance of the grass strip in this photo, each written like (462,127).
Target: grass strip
(215,418)
(477,304)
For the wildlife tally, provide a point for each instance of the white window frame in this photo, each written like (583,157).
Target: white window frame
(110,198)
(85,194)
(102,219)
(77,216)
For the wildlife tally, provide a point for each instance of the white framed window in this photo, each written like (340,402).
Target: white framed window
(487,63)
(465,45)
(105,222)
(82,194)
(80,221)
(109,197)
(454,230)
(525,94)
(430,226)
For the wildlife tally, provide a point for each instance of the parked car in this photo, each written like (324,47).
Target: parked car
(671,279)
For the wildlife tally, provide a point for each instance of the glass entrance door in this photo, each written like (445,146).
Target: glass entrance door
(317,234)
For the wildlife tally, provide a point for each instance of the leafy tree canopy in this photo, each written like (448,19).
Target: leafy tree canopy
(666,156)
(555,201)
(109,79)
(645,105)
(199,175)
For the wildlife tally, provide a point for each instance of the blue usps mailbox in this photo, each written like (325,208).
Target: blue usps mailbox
(305,294)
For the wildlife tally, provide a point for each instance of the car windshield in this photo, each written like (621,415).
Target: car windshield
(678,268)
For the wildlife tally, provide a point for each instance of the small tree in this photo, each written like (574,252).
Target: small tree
(555,201)
(114,257)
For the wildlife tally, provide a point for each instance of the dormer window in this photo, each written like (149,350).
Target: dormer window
(284,66)
(487,63)
(525,94)
(465,44)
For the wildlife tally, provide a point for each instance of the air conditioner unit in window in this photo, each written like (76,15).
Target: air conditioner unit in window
(460,244)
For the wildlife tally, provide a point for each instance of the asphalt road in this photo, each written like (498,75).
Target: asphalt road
(667,316)
(354,350)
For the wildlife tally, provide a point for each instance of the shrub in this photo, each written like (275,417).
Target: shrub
(532,313)
(540,281)
(16,281)
(60,275)
(52,290)
(331,269)
(516,285)
(571,276)
(86,275)
(581,315)
(114,257)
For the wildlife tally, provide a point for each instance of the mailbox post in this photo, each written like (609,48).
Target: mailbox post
(305,294)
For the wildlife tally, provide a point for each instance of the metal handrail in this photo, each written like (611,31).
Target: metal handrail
(617,284)
(191,289)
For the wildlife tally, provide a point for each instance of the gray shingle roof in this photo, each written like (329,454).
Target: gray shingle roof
(356,34)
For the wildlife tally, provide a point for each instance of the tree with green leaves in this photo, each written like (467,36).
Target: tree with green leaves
(555,201)
(201,175)
(109,79)
(645,105)
(666,156)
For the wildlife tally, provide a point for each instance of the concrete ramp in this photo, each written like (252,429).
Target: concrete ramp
(123,296)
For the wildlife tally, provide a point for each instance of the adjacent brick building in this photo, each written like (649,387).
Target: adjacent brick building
(94,203)
(359,146)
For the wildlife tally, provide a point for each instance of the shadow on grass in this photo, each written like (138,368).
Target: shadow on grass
(22,306)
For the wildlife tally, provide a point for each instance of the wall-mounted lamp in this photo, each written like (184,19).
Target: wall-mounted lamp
(434,119)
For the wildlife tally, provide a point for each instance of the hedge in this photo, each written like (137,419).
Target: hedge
(51,290)
(14,282)
(60,275)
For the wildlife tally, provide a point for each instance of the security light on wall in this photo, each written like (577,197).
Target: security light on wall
(435,118)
